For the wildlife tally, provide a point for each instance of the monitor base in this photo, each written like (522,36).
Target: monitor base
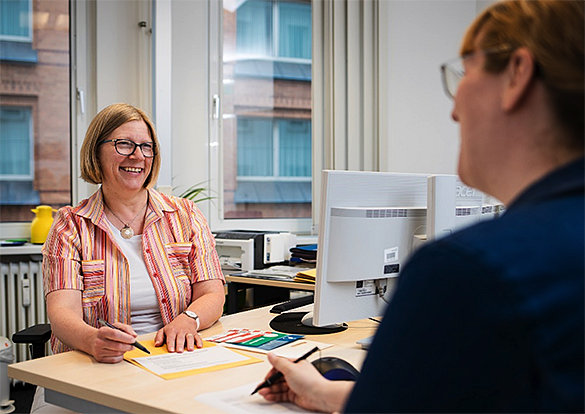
(290,322)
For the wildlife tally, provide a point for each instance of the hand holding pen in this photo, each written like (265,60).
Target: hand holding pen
(275,377)
(136,344)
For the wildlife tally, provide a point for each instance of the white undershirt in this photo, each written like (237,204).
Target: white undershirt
(144,309)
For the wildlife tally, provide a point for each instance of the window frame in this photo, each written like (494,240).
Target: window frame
(215,207)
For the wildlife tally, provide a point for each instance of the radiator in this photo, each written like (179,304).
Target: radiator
(22,303)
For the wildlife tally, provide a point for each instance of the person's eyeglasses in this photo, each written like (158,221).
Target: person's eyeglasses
(126,147)
(452,71)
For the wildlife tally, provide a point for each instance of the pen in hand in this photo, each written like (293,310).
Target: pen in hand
(273,378)
(136,344)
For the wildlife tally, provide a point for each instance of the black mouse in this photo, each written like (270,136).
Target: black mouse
(336,369)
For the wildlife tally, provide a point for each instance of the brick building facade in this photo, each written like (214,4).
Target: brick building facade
(35,76)
(262,89)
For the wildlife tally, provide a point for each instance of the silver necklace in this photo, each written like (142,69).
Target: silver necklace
(126,231)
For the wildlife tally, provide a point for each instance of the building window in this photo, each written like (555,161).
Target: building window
(16,144)
(274,161)
(294,149)
(267,109)
(276,148)
(294,40)
(274,29)
(16,20)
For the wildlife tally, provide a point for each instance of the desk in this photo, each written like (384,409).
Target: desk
(236,282)
(129,388)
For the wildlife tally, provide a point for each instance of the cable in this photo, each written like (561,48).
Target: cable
(381,290)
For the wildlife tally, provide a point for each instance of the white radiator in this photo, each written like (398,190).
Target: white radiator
(22,303)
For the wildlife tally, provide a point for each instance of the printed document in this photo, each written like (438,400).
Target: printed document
(239,401)
(170,365)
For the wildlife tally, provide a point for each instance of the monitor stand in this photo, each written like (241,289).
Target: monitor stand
(302,323)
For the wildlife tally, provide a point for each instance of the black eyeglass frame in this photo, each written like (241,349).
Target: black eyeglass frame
(448,65)
(115,141)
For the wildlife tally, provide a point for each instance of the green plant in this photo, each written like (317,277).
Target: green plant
(196,193)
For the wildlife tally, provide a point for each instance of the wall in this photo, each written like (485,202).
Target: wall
(190,97)
(421,35)
(482,4)
(123,54)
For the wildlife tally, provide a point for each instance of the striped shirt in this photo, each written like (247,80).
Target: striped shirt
(81,253)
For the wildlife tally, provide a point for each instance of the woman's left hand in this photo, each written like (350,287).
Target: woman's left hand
(179,335)
(182,333)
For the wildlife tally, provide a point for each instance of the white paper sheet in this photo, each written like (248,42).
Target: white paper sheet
(197,359)
(239,401)
(299,348)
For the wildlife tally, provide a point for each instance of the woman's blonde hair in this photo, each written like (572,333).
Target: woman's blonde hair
(100,128)
(553,31)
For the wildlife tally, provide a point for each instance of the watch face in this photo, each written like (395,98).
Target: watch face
(191,314)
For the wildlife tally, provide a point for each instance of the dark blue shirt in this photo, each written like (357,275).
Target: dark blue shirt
(491,318)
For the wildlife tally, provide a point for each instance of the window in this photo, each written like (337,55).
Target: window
(257,33)
(34,108)
(16,20)
(274,161)
(16,31)
(274,148)
(16,138)
(267,109)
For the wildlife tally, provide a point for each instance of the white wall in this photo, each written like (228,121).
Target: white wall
(482,4)
(123,54)
(189,93)
(421,35)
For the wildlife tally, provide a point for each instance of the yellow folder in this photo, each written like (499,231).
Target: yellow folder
(307,276)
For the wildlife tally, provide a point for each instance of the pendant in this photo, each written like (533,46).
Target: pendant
(127,232)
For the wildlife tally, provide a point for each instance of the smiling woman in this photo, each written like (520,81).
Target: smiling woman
(129,254)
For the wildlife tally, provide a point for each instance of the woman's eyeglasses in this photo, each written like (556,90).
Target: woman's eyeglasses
(126,147)
(452,71)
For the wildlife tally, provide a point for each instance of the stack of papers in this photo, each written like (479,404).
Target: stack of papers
(286,273)
(283,273)
(306,276)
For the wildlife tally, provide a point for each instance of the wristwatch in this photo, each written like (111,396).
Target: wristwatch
(193,315)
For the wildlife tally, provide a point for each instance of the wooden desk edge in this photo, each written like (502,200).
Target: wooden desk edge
(270,282)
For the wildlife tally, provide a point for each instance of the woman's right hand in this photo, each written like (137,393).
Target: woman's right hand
(104,344)
(304,386)
(109,345)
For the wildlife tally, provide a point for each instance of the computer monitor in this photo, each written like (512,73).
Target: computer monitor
(371,223)
(453,205)
(368,222)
